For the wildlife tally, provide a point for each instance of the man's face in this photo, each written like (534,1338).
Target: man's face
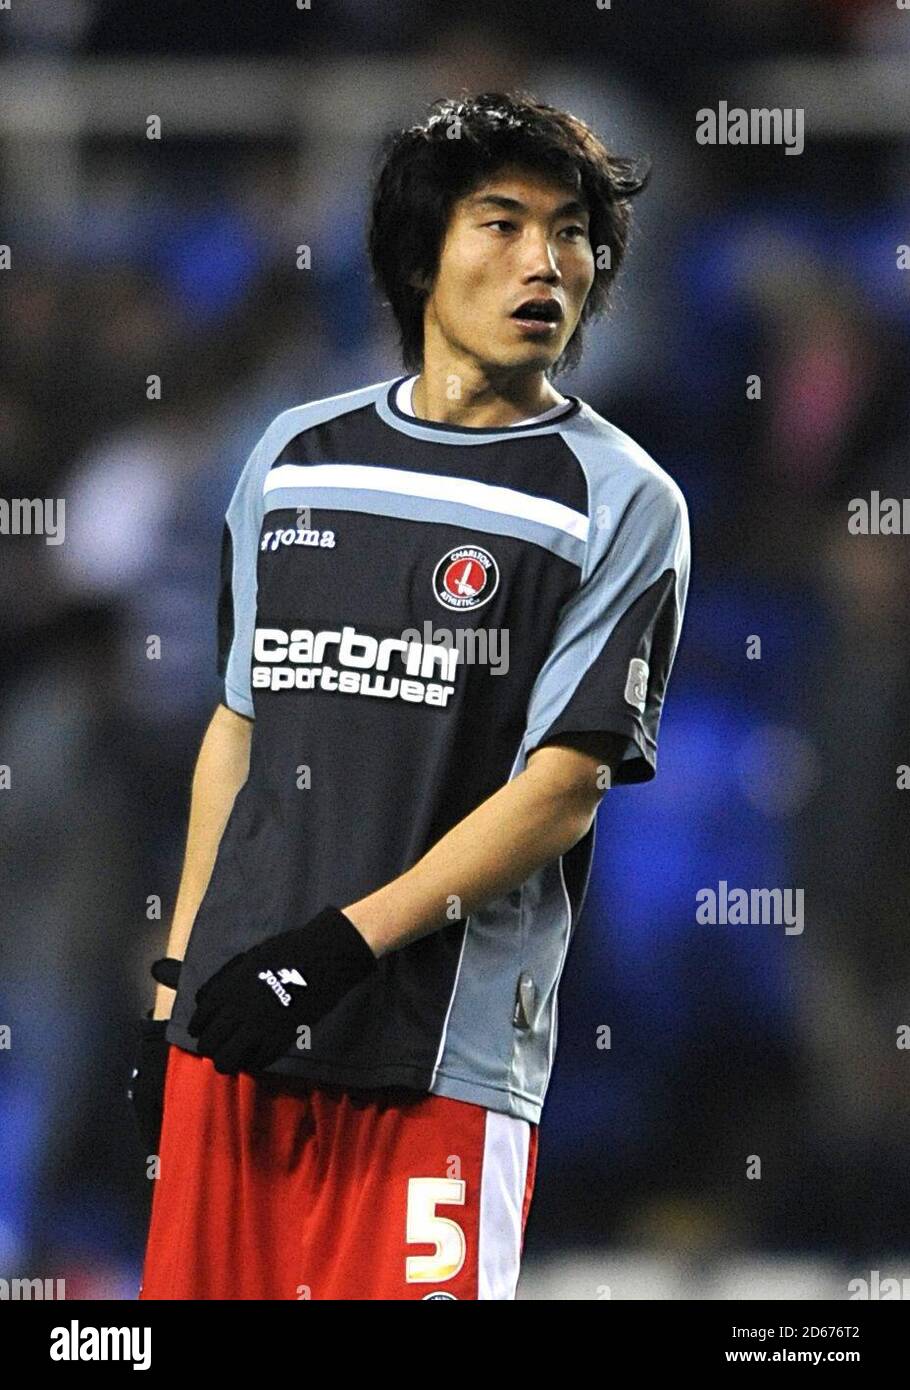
(514,238)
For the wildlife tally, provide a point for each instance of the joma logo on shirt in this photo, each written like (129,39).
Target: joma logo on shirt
(271,540)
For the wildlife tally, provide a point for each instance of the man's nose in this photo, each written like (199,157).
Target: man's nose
(540,257)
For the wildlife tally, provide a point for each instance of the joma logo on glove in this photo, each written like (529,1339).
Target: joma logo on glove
(288,977)
(236,1023)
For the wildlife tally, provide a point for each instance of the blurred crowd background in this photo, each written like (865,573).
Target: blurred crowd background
(177,257)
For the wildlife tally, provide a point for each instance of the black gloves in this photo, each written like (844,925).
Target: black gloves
(167,971)
(146,1089)
(247,1015)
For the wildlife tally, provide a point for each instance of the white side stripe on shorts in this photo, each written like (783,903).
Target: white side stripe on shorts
(503,1180)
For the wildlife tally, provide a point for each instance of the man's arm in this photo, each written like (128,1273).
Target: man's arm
(529,822)
(222,767)
(244,1023)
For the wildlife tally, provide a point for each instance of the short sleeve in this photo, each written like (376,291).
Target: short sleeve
(616,638)
(236,617)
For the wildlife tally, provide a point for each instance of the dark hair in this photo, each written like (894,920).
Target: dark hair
(427,168)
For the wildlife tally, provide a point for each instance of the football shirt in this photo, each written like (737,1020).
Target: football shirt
(408,609)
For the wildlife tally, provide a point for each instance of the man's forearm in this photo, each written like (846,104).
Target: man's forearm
(222,767)
(527,823)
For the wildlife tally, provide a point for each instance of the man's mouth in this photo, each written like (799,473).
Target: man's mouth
(539,316)
(540,310)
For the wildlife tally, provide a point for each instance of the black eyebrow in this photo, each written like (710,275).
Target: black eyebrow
(514,205)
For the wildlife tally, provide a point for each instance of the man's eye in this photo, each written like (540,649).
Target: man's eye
(578,231)
(500,222)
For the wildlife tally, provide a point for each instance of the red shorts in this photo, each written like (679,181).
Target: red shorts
(269,1188)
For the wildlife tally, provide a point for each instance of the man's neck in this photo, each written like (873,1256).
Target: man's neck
(440,397)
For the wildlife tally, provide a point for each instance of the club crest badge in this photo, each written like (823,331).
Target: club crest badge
(465,577)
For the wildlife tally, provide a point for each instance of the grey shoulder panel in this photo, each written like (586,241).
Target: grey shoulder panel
(243,523)
(617,636)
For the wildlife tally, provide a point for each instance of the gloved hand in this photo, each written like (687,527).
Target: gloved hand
(247,1015)
(146,1089)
